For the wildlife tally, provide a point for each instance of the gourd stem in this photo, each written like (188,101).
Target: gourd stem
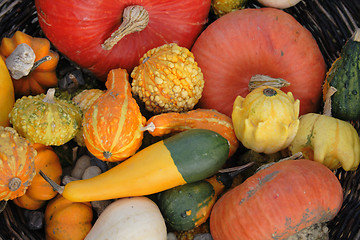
(263,80)
(135,19)
(40,61)
(356,35)
(50,94)
(327,103)
(54,185)
(237,168)
(150,127)
(295,156)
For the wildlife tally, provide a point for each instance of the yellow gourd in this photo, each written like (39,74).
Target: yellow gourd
(328,140)
(7,97)
(266,120)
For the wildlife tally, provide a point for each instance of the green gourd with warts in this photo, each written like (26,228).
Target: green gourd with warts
(46,119)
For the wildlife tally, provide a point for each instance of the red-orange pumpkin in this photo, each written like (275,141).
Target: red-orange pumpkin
(250,42)
(277,201)
(79,28)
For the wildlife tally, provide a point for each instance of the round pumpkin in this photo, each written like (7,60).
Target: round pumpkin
(264,41)
(66,220)
(277,201)
(40,190)
(79,29)
(17,168)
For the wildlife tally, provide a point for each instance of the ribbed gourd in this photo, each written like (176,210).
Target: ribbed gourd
(266,120)
(112,125)
(46,119)
(17,168)
(168,79)
(344,75)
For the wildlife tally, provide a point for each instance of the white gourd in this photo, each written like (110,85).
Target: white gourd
(134,218)
(281,4)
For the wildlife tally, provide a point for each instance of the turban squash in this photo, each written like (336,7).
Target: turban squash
(250,42)
(79,29)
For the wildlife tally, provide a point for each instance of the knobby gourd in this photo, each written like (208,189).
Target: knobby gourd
(222,7)
(270,42)
(17,168)
(172,122)
(40,191)
(112,125)
(285,198)
(186,157)
(46,119)
(128,31)
(134,218)
(43,71)
(168,79)
(266,120)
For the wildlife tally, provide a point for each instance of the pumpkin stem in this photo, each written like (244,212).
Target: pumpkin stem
(50,95)
(135,19)
(54,185)
(327,103)
(263,80)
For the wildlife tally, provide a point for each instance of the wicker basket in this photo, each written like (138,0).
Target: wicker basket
(331,22)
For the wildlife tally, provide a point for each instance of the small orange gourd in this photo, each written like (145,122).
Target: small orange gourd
(40,191)
(66,220)
(173,122)
(40,78)
(112,125)
(17,168)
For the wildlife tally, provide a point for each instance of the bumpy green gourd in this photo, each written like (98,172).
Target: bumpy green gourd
(46,119)
(344,75)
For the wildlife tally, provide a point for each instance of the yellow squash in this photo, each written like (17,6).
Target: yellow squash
(7,97)
(266,120)
(328,140)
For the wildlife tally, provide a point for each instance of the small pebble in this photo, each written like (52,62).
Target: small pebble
(203,236)
(171,236)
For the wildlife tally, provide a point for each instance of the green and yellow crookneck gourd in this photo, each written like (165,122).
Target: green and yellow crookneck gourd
(186,157)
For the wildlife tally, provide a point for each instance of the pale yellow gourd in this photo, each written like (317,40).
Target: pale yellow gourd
(266,120)
(328,140)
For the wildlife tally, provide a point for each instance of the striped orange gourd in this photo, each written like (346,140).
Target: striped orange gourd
(17,168)
(112,125)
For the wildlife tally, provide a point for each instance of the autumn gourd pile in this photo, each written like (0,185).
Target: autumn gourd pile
(158,146)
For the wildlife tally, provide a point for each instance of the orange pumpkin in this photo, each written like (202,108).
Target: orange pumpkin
(66,220)
(277,202)
(40,191)
(43,76)
(17,168)
(112,125)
